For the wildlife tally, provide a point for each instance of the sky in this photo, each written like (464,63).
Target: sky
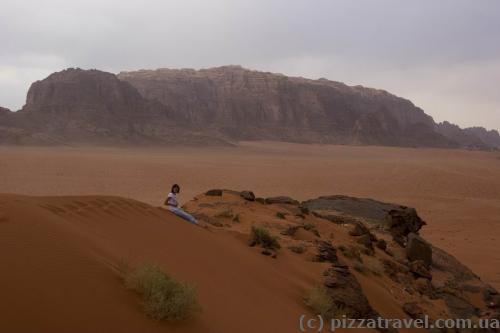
(443,55)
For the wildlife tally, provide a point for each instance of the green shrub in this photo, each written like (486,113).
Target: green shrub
(260,236)
(163,297)
(311,228)
(319,301)
(351,252)
(359,267)
(322,304)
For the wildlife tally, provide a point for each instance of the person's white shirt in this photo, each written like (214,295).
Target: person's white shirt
(172,200)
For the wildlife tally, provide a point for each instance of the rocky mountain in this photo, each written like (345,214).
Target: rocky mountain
(219,106)
(461,136)
(91,106)
(491,138)
(471,137)
(252,105)
(4,111)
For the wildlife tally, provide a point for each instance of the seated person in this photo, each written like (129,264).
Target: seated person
(173,205)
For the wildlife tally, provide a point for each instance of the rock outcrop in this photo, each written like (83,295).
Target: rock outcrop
(398,220)
(404,276)
(418,249)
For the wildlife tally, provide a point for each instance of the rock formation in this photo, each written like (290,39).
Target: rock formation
(220,106)
(245,104)
(491,138)
(414,277)
(463,137)
(91,106)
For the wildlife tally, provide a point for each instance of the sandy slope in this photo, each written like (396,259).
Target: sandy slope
(456,192)
(59,257)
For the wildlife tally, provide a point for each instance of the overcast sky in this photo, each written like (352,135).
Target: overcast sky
(444,55)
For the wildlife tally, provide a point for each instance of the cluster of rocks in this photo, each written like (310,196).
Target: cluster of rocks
(388,235)
(343,288)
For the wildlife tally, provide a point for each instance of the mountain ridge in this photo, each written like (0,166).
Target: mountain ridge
(222,105)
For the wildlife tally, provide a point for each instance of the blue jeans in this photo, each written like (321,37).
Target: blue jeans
(181,213)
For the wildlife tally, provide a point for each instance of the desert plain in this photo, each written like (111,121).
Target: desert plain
(457,192)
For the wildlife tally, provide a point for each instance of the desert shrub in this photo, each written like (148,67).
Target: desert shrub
(319,301)
(350,252)
(297,249)
(359,267)
(311,228)
(281,215)
(322,304)
(260,236)
(163,297)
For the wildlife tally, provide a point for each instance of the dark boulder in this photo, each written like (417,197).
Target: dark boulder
(247,195)
(366,241)
(381,244)
(403,221)
(326,252)
(359,229)
(282,200)
(413,310)
(260,200)
(214,193)
(459,307)
(418,249)
(419,269)
(346,293)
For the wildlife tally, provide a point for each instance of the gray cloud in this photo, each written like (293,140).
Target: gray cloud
(443,55)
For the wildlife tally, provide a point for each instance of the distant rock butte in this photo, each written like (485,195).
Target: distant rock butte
(472,137)
(219,106)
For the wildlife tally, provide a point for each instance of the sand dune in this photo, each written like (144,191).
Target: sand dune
(60,255)
(62,258)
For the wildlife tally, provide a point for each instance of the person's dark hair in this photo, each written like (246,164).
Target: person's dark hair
(174,186)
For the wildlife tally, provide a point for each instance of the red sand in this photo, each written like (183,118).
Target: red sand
(60,258)
(457,192)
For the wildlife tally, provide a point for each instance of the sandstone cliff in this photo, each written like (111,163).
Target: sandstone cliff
(92,106)
(245,104)
(219,106)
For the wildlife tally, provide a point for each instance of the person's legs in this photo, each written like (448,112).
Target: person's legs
(186,216)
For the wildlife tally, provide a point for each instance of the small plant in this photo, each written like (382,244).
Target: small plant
(163,297)
(359,267)
(322,304)
(311,228)
(297,249)
(319,301)
(281,215)
(350,253)
(260,236)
